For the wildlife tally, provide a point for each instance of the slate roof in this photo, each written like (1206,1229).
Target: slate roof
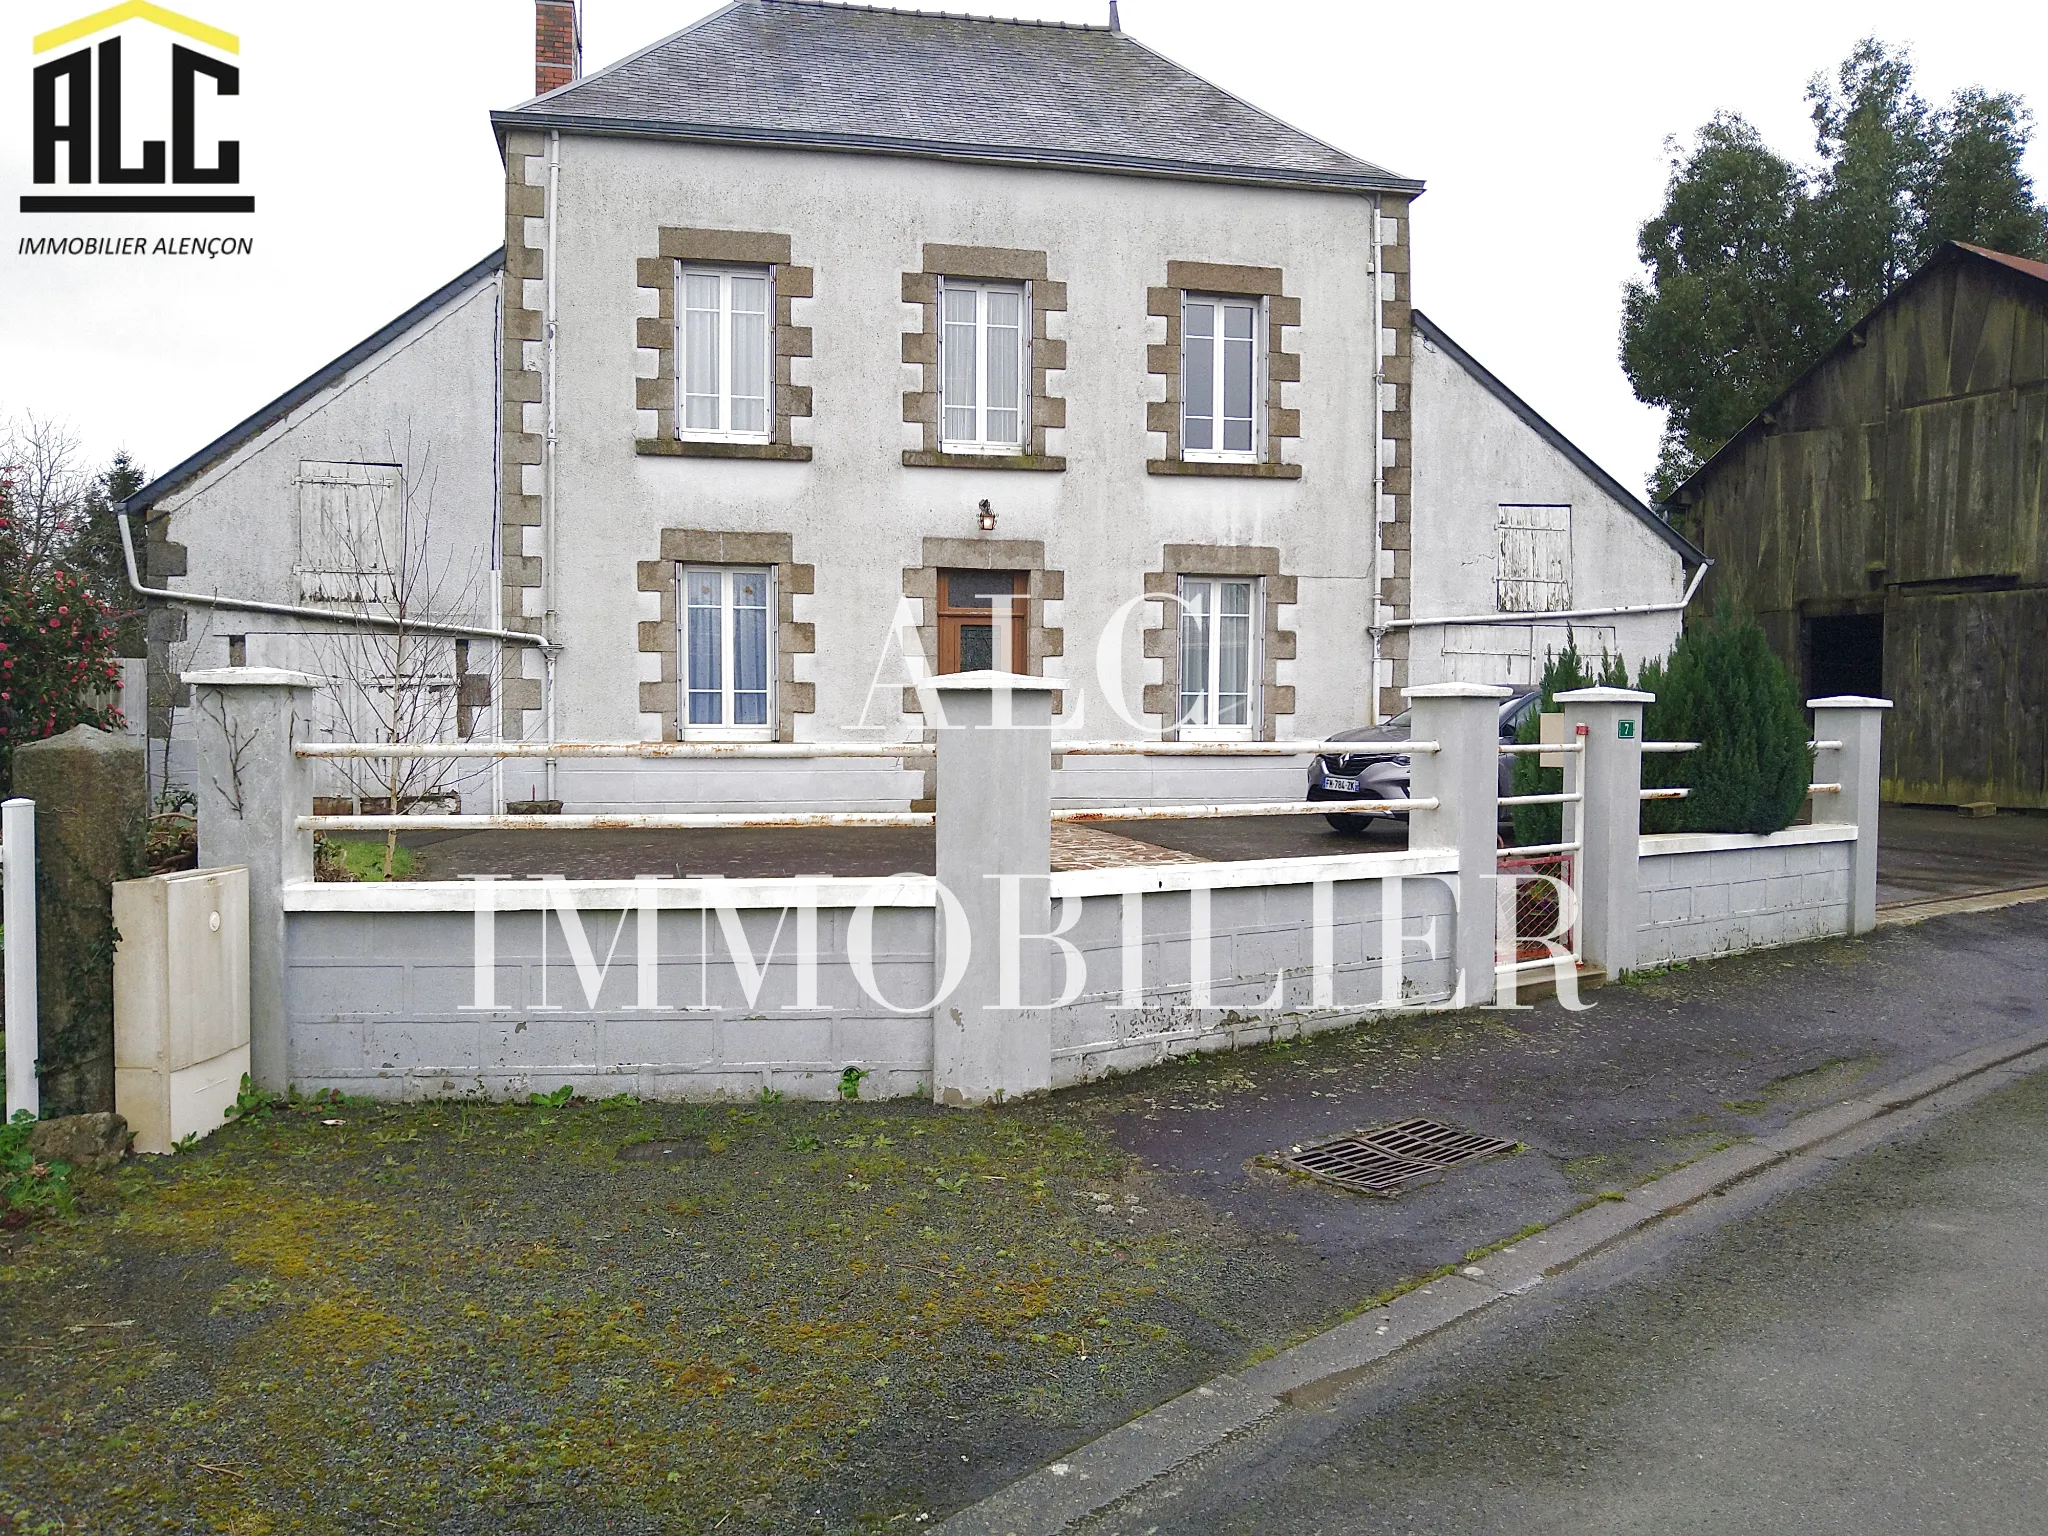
(1688,552)
(857,78)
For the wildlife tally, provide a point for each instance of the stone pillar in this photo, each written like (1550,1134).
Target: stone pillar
(252,790)
(1608,822)
(1858,724)
(91,792)
(994,819)
(1464,775)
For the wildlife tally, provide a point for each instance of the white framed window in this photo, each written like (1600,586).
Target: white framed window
(1219,663)
(1221,378)
(724,346)
(983,363)
(1535,570)
(726,652)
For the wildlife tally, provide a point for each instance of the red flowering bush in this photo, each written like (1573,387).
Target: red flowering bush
(56,655)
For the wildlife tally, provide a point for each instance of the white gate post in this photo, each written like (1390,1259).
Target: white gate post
(1463,719)
(253,788)
(994,820)
(1858,724)
(18,913)
(1609,821)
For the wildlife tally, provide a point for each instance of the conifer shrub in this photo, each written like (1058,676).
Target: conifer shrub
(1723,687)
(1562,671)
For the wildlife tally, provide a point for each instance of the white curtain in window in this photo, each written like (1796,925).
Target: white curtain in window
(1216,654)
(725,345)
(981,364)
(1219,376)
(726,647)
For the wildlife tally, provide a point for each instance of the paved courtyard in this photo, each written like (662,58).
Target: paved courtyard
(1923,852)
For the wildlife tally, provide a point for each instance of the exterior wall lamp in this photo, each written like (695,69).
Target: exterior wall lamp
(988,518)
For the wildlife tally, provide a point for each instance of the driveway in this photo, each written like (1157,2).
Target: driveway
(1923,853)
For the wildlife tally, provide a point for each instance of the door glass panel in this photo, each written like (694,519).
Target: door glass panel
(1198,376)
(700,346)
(706,666)
(977,647)
(1234,653)
(750,648)
(749,354)
(1237,378)
(973,589)
(961,361)
(1005,363)
(1194,653)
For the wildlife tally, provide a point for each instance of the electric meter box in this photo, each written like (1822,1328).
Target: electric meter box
(181,1002)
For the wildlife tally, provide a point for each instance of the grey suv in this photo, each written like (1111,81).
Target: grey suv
(1367,775)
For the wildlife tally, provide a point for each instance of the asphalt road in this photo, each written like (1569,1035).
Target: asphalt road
(1864,1353)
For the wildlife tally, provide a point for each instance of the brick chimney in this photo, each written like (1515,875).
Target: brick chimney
(557,44)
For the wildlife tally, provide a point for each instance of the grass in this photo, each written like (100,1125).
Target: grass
(338,1317)
(363,858)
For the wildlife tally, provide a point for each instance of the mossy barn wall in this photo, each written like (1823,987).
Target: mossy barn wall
(1906,476)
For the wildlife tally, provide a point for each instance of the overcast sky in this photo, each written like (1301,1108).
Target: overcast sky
(1539,129)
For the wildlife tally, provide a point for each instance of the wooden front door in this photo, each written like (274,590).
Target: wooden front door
(971,636)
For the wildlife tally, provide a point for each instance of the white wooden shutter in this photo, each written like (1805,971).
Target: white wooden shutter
(1535,572)
(350,530)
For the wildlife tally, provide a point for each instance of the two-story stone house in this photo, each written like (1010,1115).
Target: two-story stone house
(825,334)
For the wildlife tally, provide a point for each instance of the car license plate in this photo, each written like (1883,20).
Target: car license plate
(1342,786)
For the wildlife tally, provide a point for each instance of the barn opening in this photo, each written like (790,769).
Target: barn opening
(1845,654)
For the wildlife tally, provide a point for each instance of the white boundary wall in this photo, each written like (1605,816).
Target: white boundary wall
(965,983)
(1713,893)
(382,999)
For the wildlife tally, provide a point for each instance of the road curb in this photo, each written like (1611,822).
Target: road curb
(1111,1468)
(1942,906)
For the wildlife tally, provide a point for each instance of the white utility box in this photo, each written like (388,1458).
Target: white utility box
(181,1002)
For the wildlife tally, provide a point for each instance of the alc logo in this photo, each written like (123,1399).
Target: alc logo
(78,108)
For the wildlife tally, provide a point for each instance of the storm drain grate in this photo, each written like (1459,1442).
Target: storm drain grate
(1381,1162)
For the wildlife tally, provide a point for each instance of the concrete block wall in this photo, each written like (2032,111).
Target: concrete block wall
(381,983)
(1257,932)
(1716,893)
(382,1003)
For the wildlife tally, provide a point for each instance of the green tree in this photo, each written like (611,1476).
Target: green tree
(1731,294)
(56,647)
(97,551)
(1755,265)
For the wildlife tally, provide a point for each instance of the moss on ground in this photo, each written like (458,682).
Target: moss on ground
(340,1317)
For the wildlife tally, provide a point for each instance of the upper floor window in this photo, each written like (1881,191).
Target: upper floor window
(728,653)
(1220,366)
(983,365)
(1217,661)
(723,345)
(1535,570)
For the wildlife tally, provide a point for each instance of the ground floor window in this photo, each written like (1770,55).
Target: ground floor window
(1218,626)
(728,652)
